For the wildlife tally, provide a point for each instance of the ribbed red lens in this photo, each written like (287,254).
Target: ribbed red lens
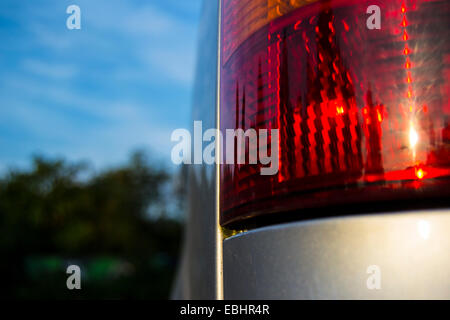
(363,115)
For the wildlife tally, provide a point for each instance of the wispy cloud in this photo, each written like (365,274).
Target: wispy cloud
(122,81)
(49,69)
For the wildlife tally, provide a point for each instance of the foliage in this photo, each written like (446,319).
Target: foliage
(50,218)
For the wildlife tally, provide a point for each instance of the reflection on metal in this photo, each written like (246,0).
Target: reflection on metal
(328,258)
(198,273)
(424,228)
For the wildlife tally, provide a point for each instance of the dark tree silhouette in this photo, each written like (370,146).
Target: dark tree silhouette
(50,218)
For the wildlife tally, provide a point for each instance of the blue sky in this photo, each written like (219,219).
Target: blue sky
(120,83)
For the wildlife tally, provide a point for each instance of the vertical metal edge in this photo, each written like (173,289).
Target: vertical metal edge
(219,236)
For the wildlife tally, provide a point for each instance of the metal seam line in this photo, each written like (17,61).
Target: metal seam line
(219,237)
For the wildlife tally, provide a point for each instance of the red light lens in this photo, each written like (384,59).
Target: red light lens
(363,115)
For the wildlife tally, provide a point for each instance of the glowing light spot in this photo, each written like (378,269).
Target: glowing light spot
(330,25)
(413,137)
(380,118)
(349,78)
(406,51)
(424,229)
(345,25)
(404,23)
(335,68)
(408,64)
(420,173)
(278,11)
(340,109)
